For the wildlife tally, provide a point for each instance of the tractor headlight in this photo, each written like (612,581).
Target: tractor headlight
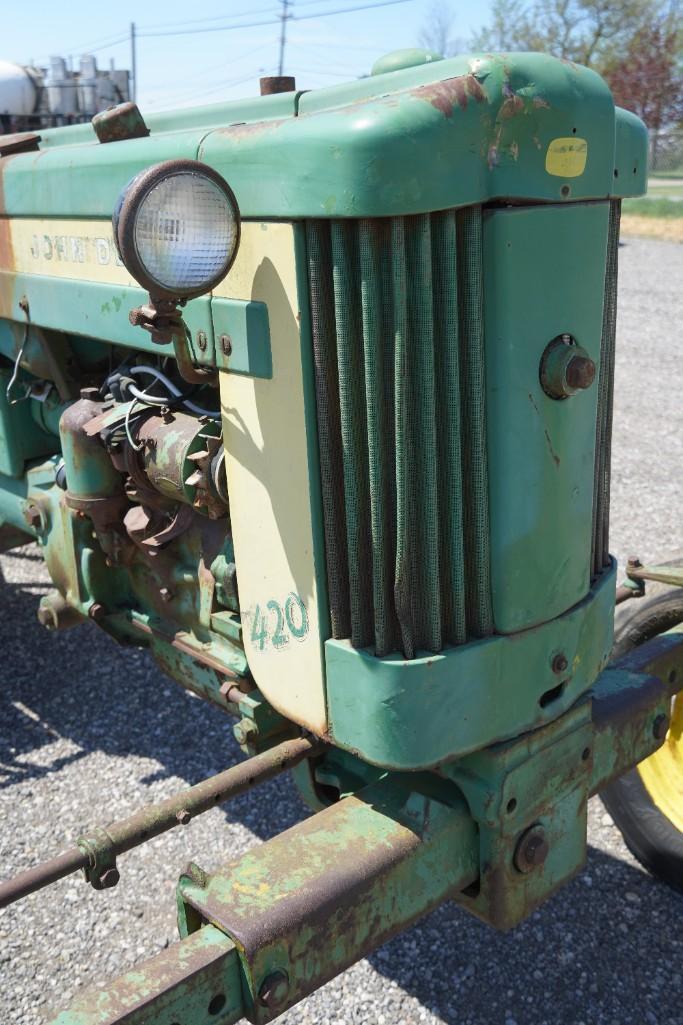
(177,229)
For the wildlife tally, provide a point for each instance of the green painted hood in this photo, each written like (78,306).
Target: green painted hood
(444,134)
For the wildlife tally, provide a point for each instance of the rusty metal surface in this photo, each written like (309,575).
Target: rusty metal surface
(42,875)
(20,142)
(277,84)
(121,122)
(450,93)
(98,848)
(321,895)
(194,981)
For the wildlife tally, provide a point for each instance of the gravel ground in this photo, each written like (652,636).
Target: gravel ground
(89,731)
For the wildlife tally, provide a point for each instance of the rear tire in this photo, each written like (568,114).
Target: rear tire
(652,831)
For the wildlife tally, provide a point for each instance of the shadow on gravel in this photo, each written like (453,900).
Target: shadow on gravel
(605,950)
(82,686)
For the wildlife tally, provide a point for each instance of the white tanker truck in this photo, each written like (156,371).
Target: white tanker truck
(37,97)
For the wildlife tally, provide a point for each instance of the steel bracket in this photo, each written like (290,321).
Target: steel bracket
(529,797)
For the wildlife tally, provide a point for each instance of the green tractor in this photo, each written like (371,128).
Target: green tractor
(311,396)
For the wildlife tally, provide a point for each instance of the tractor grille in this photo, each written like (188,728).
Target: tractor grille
(603,441)
(396,308)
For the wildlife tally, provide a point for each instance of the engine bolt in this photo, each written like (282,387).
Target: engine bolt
(201,341)
(532,849)
(226,344)
(97,611)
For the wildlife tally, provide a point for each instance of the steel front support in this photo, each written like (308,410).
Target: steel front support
(306,905)
(499,831)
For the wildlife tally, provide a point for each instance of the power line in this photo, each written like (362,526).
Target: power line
(221,17)
(275,21)
(214,67)
(106,46)
(216,17)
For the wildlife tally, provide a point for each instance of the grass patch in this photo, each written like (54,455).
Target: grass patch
(660,207)
(675,173)
(669,229)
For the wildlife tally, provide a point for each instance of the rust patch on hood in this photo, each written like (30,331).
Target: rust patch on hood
(249,130)
(445,95)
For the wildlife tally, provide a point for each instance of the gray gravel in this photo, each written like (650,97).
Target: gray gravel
(89,730)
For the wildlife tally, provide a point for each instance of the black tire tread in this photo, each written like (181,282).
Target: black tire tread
(649,835)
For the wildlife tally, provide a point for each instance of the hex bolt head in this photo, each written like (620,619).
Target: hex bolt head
(32,517)
(226,344)
(559,663)
(97,611)
(244,731)
(201,341)
(273,990)
(580,372)
(109,878)
(660,727)
(532,849)
(183,816)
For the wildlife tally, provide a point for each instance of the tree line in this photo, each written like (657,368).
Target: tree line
(636,45)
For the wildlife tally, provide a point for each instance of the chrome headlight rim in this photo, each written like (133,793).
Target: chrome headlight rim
(125,215)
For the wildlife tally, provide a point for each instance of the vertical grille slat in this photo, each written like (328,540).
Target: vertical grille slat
(397,316)
(446,347)
(424,513)
(347,301)
(476,512)
(372,244)
(603,437)
(323,329)
(404,551)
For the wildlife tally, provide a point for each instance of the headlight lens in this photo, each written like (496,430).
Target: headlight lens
(177,228)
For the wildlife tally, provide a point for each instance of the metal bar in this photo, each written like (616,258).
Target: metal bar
(42,875)
(664,574)
(153,819)
(196,980)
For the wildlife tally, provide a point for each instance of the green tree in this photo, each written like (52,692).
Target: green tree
(592,32)
(436,33)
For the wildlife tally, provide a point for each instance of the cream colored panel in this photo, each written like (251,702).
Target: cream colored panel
(67,249)
(269,488)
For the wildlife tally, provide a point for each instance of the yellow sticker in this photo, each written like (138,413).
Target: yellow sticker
(566,158)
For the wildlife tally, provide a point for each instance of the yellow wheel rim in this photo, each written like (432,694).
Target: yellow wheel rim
(662,772)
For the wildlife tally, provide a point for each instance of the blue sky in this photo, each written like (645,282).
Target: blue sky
(179,70)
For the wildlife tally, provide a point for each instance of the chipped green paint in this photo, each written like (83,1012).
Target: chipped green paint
(179,985)
(485,120)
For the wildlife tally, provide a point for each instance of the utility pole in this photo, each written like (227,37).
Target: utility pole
(133,63)
(283,35)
